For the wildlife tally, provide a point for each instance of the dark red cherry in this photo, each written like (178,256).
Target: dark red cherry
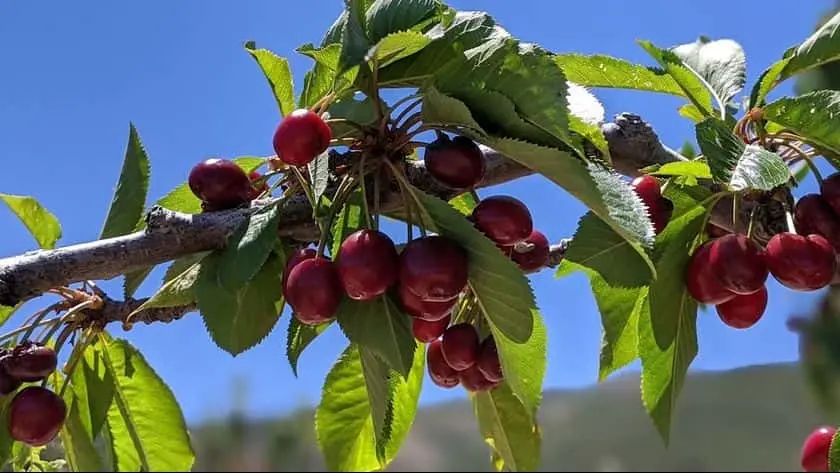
(8,384)
(473,380)
(367,263)
(457,163)
(314,291)
(36,415)
(300,137)
(830,190)
(799,262)
(441,374)
(296,257)
(461,346)
(504,219)
(429,311)
(531,254)
(738,263)
(743,311)
(427,331)
(648,190)
(258,189)
(220,183)
(816,448)
(435,268)
(715,231)
(488,361)
(662,214)
(813,215)
(700,282)
(30,362)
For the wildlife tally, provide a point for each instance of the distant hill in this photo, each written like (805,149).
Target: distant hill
(749,419)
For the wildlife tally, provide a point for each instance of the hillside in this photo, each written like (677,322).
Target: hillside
(750,419)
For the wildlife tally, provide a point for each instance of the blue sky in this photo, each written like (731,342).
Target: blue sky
(75,74)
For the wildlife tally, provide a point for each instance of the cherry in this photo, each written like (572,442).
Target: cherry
(314,291)
(434,268)
(813,215)
(367,263)
(715,231)
(830,190)
(461,346)
(426,331)
(254,176)
(648,190)
(816,448)
(473,380)
(799,262)
(36,415)
(739,263)
(430,311)
(441,374)
(661,214)
(457,163)
(488,361)
(220,183)
(296,257)
(504,219)
(300,137)
(700,282)
(528,257)
(743,311)
(30,362)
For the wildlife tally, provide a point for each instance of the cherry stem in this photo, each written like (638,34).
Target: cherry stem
(8,335)
(323,103)
(711,201)
(409,122)
(376,199)
(750,225)
(736,209)
(363,187)
(405,99)
(808,161)
(407,110)
(345,121)
(75,356)
(405,186)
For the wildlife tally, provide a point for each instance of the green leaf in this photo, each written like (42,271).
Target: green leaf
(691,112)
(279,76)
(834,453)
(765,83)
(146,412)
(722,63)
(362,112)
(176,292)
(822,47)
(398,46)
(182,264)
(320,79)
(238,320)
(376,375)
(130,195)
(736,164)
(347,220)
(77,442)
(133,280)
(464,203)
(42,224)
(405,398)
(697,169)
(385,17)
(686,79)
(248,249)
(593,134)
(609,72)
(502,290)
(667,326)
(598,247)
(354,41)
(441,110)
(380,327)
(298,337)
(812,116)
(524,363)
(509,429)
(6,441)
(319,173)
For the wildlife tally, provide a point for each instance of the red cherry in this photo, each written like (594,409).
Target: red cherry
(743,311)
(8,384)
(504,219)
(816,448)
(220,183)
(488,361)
(701,284)
(36,415)
(30,362)
(801,263)
(830,190)
(648,190)
(441,374)
(434,268)
(813,215)
(461,346)
(457,163)
(263,187)
(738,263)
(473,380)
(661,214)
(314,291)
(300,137)
(429,311)
(427,331)
(531,254)
(296,257)
(367,263)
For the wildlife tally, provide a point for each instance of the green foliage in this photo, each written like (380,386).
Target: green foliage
(834,454)
(510,430)
(382,328)
(609,72)
(278,74)
(130,195)
(40,222)
(811,115)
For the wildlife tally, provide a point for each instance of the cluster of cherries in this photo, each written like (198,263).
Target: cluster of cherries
(816,449)
(35,414)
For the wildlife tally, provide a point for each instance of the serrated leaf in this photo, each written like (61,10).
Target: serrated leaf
(176,292)
(813,116)
(319,174)
(279,76)
(598,247)
(319,80)
(765,83)
(362,112)
(298,337)
(722,63)
(396,46)
(238,320)
(146,412)
(441,110)
(384,17)
(524,363)
(377,379)
(695,168)
(583,105)
(834,453)
(593,134)
(608,72)
(736,164)
(349,219)
(822,47)
(77,442)
(133,280)
(691,112)
(509,429)
(248,249)
(354,41)
(379,326)
(182,264)
(686,79)
(667,326)
(40,222)
(620,309)
(464,203)
(130,195)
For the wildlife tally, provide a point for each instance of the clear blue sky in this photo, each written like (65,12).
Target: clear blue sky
(75,74)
